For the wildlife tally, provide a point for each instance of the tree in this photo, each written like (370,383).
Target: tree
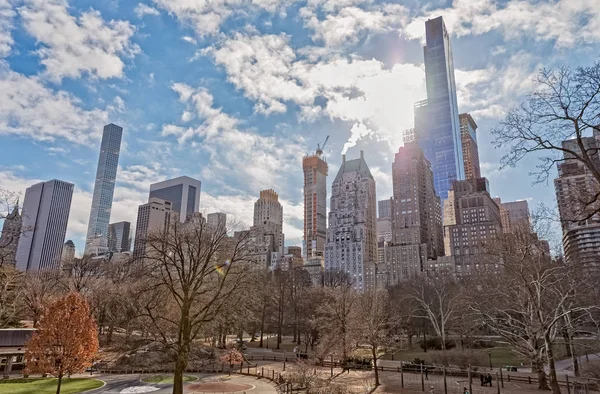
(11,296)
(374,322)
(565,105)
(335,321)
(38,289)
(527,302)
(437,300)
(192,271)
(66,341)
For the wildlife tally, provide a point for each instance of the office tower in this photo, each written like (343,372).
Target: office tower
(96,241)
(152,217)
(295,251)
(576,188)
(352,231)
(45,215)
(9,239)
(384,208)
(217,219)
(437,126)
(477,222)
(416,218)
(514,215)
(315,204)
(119,237)
(182,192)
(384,229)
(68,253)
(468,136)
(268,216)
(416,208)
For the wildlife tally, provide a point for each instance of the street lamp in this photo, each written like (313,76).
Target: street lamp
(490,357)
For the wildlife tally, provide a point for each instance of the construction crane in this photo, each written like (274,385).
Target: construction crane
(321,147)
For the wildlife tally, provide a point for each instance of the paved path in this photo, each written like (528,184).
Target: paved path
(131,384)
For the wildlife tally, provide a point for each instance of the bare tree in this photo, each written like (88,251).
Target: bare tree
(38,290)
(565,105)
(374,321)
(439,301)
(527,302)
(193,270)
(335,321)
(11,297)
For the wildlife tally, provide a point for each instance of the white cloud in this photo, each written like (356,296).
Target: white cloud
(206,17)
(266,159)
(363,92)
(348,23)
(7,15)
(30,109)
(569,22)
(71,46)
(189,39)
(142,10)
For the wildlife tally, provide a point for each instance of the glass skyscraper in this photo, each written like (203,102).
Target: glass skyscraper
(437,125)
(183,192)
(96,242)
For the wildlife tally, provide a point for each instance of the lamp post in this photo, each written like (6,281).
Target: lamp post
(490,357)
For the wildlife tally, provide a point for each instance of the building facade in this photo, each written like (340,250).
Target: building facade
(352,232)
(576,188)
(119,237)
(437,126)
(45,215)
(315,204)
(477,222)
(9,239)
(268,217)
(152,217)
(217,219)
(68,253)
(384,208)
(183,193)
(96,241)
(514,215)
(468,137)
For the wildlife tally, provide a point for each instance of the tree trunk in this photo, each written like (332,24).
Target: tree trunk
(574,357)
(178,377)
(425,341)
(567,343)
(553,380)
(59,383)
(111,329)
(374,353)
(537,366)
(262,323)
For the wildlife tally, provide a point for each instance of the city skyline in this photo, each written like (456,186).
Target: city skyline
(158,106)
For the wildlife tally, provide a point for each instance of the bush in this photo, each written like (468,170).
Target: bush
(435,343)
(480,344)
(358,363)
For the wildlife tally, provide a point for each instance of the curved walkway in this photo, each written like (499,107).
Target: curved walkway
(131,384)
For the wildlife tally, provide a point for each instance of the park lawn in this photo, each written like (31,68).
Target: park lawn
(166,379)
(501,356)
(48,385)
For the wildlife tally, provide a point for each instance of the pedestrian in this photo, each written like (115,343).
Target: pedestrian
(481,378)
(465,391)
(296,351)
(431,390)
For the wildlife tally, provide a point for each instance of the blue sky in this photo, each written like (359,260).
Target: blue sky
(235,92)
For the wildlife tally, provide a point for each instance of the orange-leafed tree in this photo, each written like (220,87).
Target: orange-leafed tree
(66,341)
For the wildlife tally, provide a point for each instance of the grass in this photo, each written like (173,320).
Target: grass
(48,385)
(166,379)
(501,356)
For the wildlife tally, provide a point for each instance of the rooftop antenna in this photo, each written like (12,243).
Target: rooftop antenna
(320,147)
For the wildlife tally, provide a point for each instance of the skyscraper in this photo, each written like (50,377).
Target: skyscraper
(576,188)
(384,208)
(268,216)
(119,237)
(352,231)
(468,136)
(183,193)
(514,214)
(68,253)
(416,210)
(45,215)
(152,217)
(315,204)
(9,239)
(217,219)
(437,126)
(96,242)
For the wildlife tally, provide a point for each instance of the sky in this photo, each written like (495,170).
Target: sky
(236,92)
